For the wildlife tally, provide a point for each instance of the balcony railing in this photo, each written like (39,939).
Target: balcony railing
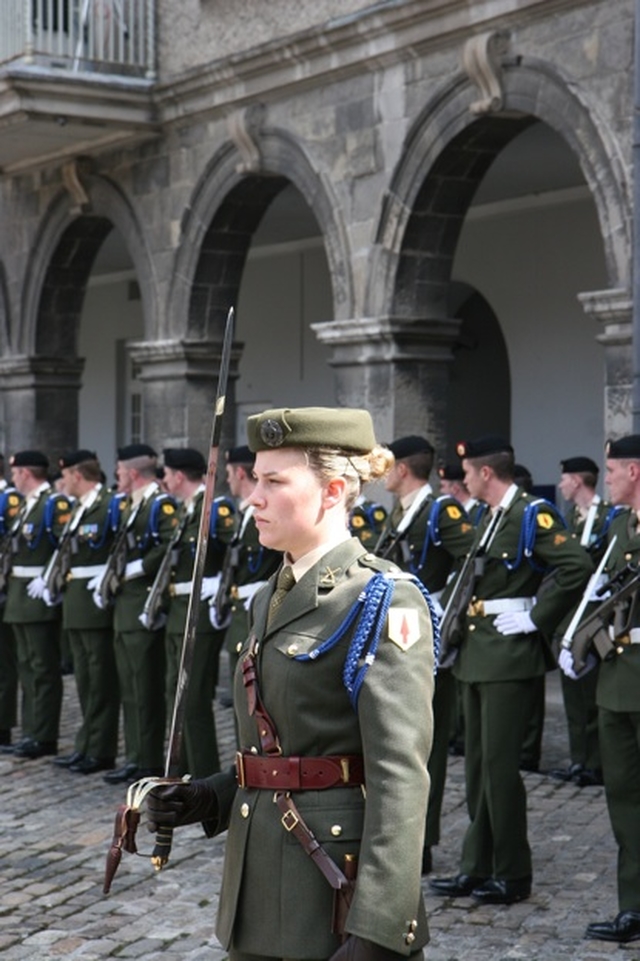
(79,36)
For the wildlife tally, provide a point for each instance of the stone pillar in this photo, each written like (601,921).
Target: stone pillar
(180,380)
(40,403)
(613,309)
(397,368)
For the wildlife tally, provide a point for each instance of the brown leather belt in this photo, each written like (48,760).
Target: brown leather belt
(299,773)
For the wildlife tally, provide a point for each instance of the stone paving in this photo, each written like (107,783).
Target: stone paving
(55,829)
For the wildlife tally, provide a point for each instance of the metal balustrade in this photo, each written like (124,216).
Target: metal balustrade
(91,36)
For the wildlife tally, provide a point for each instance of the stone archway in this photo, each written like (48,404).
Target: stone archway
(448,152)
(179,370)
(41,370)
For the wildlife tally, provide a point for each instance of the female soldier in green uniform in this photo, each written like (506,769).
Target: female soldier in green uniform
(334,716)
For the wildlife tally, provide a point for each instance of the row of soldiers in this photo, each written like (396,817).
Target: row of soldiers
(517,587)
(529,574)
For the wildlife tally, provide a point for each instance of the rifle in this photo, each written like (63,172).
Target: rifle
(153,617)
(55,573)
(452,620)
(109,583)
(390,538)
(8,547)
(613,618)
(221,602)
(127,818)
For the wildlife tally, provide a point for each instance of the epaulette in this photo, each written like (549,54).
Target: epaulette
(223,512)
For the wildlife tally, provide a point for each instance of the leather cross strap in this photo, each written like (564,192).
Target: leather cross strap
(299,773)
(293,823)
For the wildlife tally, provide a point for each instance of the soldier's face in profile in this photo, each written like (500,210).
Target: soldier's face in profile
(289,501)
(473,479)
(619,480)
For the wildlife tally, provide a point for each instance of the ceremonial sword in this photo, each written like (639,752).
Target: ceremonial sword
(128,815)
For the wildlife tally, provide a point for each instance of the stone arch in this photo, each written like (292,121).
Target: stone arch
(218,225)
(448,151)
(61,261)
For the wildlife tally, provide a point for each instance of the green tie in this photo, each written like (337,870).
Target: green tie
(285,582)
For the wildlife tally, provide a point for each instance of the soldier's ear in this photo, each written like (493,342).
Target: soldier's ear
(334,492)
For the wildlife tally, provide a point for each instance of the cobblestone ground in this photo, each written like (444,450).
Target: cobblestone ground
(55,829)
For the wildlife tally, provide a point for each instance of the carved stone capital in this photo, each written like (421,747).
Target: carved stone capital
(26,373)
(482,61)
(613,309)
(384,340)
(181,359)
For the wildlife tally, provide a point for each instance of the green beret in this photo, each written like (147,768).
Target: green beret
(342,427)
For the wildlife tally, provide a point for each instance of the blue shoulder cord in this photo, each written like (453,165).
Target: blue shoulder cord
(372,605)
(527,539)
(432,535)
(111,521)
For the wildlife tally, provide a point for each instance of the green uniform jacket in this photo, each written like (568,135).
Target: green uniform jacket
(619,677)
(90,547)
(150,548)
(366,522)
(454,537)
(274,900)
(255,563)
(224,520)
(485,653)
(36,544)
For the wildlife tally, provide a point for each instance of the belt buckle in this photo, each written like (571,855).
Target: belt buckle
(624,639)
(240,775)
(289,821)
(476,608)
(344,767)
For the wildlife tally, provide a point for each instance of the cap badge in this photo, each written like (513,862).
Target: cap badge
(272,433)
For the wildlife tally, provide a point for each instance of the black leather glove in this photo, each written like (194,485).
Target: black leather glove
(186,802)
(357,949)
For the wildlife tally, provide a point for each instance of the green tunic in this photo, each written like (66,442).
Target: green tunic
(618,698)
(90,633)
(274,900)
(498,674)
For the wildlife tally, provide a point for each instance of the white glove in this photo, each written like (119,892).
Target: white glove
(133,569)
(593,593)
(49,600)
(93,583)
(213,619)
(247,591)
(209,587)
(514,622)
(36,588)
(566,665)
(97,600)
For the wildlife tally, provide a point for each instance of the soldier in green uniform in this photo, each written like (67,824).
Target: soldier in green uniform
(618,701)
(10,501)
(247,564)
(149,521)
(588,518)
(35,625)
(503,650)
(366,521)
(90,630)
(184,470)
(334,716)
(428,536)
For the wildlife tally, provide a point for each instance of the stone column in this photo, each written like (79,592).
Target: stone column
(40,403)
(397,368)
(613,309)
(180,380)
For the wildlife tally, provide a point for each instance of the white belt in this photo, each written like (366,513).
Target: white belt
(177,590)
(93,570)
(632,637)
(501,605)
(21,571)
